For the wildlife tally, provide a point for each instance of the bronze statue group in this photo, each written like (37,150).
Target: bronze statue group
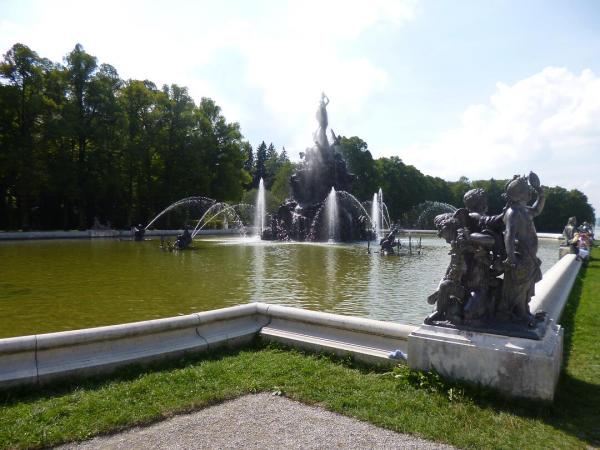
(493,260)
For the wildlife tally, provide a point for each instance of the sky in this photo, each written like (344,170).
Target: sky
(455,88)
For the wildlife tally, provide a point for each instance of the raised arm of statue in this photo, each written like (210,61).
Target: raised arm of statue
(538,206)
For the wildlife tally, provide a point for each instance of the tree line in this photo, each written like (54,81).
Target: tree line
(406,190)
(79,145)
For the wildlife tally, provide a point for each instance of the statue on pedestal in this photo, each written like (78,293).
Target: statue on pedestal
(569,230)
(493,263)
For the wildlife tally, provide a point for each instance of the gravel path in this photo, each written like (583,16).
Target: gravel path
(261,421)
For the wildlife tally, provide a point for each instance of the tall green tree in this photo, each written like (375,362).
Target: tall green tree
(81,67)
(560,205)
(259,164)
(358,158)
(22,101)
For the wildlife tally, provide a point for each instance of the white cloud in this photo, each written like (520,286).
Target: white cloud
(288,52)
(295,52)
(549,123)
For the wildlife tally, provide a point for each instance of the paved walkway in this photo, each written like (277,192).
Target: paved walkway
(261,421)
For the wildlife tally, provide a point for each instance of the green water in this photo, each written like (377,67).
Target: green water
(48,286)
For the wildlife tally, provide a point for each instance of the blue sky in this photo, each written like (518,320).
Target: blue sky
(474,88)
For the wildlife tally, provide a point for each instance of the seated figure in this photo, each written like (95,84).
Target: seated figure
(451,293)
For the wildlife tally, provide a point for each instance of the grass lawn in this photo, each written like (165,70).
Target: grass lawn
(400,399)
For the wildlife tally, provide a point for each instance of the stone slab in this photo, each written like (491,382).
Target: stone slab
(514,366)
(536,329)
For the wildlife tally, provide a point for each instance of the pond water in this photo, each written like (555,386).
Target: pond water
(48,286)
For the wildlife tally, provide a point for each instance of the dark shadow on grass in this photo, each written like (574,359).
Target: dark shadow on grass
(126,373)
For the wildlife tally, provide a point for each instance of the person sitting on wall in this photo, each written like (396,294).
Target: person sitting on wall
(581,242)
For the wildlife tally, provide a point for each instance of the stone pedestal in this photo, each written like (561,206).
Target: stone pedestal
(515,366)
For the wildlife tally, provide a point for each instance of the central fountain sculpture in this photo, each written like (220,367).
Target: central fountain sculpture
(321,208)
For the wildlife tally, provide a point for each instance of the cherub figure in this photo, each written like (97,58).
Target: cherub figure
(522,266)
(484,257)
(451,292)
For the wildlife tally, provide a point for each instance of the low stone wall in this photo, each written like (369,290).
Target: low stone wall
(555,236)
(371,341)
(37,359)
(95,234)
(552,292)
(30,360)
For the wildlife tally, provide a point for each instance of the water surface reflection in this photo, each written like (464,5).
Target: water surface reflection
(60,285)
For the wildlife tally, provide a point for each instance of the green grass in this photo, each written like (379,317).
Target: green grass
(401,400)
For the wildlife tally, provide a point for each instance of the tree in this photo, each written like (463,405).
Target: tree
(560,205)
(81,67)
(272,165)
(225,150)
(22,101)
(281,188)
(249,163)
(259,163)
(360,162)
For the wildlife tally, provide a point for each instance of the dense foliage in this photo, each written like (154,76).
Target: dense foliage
(79,144)
(406,190)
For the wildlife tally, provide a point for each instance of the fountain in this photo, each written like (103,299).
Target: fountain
(228,212)
(320,176)
(376,217)
(428,211)
(332,212)
(202,201)
(210,210)
(260,213)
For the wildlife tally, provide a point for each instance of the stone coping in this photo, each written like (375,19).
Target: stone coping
(552,292)
(95,234)
(34,359)
(127,234)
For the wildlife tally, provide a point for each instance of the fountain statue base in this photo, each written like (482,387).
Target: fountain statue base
(532,329)
(515,366)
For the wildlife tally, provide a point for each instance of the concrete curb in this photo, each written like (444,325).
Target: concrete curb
(552,292)
(96,234)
